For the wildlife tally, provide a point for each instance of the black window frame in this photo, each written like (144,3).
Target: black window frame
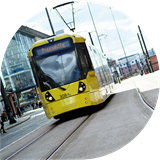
(81,48)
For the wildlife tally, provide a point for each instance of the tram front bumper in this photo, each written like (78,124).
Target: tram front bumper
(68,104)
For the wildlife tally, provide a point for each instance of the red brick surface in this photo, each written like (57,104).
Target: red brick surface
(154,62)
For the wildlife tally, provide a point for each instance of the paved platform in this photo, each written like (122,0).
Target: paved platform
(148,85)
(26,116)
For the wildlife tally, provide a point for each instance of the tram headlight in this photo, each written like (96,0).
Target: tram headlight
(49,97)
(82,87)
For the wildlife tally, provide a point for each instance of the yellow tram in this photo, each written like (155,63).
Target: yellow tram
(69,74)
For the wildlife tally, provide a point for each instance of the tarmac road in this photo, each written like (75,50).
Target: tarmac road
(37,119)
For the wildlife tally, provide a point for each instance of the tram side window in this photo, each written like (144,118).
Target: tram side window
(110,78)
(105,69)
(84,58)
(98,70)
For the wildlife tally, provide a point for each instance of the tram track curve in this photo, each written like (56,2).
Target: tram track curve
(144,100)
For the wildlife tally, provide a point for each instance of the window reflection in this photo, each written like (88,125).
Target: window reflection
(58,69)
(15,61)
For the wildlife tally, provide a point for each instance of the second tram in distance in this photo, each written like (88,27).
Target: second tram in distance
(69,74)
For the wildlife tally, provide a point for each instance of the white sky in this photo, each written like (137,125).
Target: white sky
(102,16)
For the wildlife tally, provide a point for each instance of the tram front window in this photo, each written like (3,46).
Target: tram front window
(57,70)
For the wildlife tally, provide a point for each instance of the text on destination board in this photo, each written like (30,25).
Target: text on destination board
(58,46)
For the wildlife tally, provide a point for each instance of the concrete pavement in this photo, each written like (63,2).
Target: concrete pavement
(148,86)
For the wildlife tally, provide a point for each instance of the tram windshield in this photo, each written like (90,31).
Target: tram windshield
(57,69)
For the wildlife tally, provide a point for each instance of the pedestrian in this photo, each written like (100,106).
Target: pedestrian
(2,119)
(40,104)
(5,116)
(22,110)
(37,104)
(32,105)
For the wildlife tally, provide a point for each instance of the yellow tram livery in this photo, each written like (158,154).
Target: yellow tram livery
(69,74)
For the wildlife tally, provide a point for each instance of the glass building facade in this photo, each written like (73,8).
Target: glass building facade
(16,73)
(15,67)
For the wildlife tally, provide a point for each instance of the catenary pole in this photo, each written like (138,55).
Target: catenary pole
(148,58)
(94,27)
(50,22)
(143,50)
(120,40)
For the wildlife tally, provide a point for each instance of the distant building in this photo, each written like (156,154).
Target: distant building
(129,65)
(1,99)
(154,62)
(114,69)
(111,62)
(153,58)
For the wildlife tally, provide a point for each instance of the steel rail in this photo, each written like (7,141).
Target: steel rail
(139,93)
(149,105)
(71,134)
(41,135)
(31,142)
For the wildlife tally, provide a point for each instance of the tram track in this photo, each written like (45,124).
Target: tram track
(58,148)
(143,99)
(31,142)
(39,140)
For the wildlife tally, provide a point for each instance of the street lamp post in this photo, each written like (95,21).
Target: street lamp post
(120,41)
(105,38)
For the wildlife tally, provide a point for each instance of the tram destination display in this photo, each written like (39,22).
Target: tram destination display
(52,47)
